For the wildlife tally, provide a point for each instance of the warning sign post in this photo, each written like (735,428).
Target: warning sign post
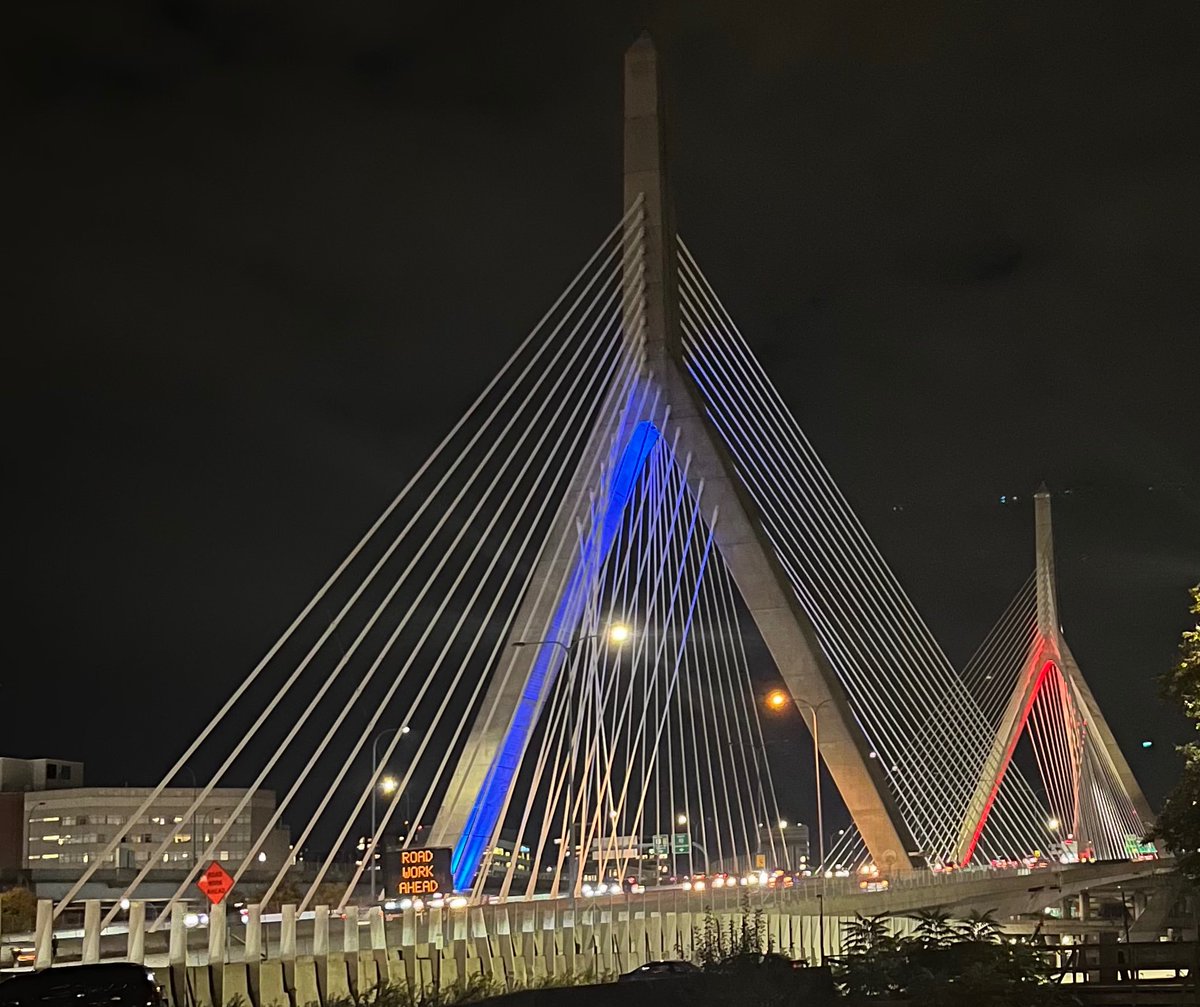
(215,882)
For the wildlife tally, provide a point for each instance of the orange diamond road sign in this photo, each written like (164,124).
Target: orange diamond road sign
(215,883)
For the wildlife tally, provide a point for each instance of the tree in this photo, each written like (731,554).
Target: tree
(18,910)
(1178,826)
(944,964)
(980,928)
(873,958)
(934,929)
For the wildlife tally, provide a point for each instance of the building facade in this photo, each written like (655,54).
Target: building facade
(68,830)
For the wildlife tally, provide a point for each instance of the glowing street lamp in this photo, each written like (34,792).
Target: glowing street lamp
(1053,824)
(619,633)
(777,700)
(386,785)
(681,819)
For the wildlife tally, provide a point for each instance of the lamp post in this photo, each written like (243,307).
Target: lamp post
(388,785)
(618,633)
(777,701)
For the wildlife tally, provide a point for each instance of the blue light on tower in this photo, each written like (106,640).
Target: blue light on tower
(489,804)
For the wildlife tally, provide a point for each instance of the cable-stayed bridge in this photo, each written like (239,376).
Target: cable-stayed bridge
(547,627)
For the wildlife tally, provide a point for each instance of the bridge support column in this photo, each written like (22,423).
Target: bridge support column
(217,921)
(568,941)
(549,945)
(177,954)
(43,935)
(253,953)
(483,949)
(135,946)
(320,947)
(503,931)
(91,932)
(287,947)
(216,935)
(458,942)
(604,938)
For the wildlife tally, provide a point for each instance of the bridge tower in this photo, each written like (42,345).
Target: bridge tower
(480,790)
(1049,661)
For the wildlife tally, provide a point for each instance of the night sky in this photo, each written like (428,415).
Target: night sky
(261,256)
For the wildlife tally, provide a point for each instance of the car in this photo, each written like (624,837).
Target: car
(769,963)
(111,984)
(24,955)
(660,970)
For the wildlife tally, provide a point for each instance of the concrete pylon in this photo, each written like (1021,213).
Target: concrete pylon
(1048,653)
(1069,667)
(507,715)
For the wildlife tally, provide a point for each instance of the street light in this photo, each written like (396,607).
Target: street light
(681,819)
(777,700)
(388,785)
(1053,824)
(617,634)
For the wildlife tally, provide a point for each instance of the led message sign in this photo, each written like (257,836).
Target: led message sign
(425,872)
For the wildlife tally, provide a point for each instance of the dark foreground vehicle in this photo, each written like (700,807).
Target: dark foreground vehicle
(769,964)
(115,984)
(659,970)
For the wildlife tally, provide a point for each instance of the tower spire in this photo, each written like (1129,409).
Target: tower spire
(646,176)
(1047,586)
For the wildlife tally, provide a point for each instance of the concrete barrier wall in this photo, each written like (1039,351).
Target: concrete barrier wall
(505,946)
